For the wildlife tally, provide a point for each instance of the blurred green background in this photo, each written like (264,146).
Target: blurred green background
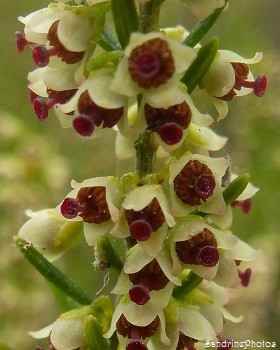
(38,160)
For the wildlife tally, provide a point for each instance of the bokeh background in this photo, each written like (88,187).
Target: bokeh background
(38,160)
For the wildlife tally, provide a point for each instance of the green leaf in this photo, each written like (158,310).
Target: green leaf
(201,64)
(51,273)
(106,60)
(190,283)
(108,42)
(125,18)
(236,188)
(108,254)
(94,334)
(203,26)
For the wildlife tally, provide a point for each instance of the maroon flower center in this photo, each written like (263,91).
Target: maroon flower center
(151,64)
(171,133)
(84,125)
(127,329)
(195,183)
(140,230)
(139,294)
(90,204)
(185,342)
(199,250)
(150,276)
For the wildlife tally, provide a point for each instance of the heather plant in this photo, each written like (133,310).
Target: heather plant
(164,228)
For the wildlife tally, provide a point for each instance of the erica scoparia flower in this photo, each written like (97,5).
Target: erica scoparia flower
(96,202)
(94,107)
(151,61)
(196,184)
(229,76)
(50,233)
(146,217)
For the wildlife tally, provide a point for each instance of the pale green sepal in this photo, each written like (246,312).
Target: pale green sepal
(235,188)
(125,19)
(102,308)
(107,60)
(80,312)
(68,235)
(94,335)
(171,311)
(201,64)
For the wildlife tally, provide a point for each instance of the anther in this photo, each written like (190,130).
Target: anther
(42,107)
(21,42)
(70,208)
(204,185)
(139,294)
(170,133)
(84,125)
(207,256)
(141,230)
(259,85)
(245,276)
(246,205)
(41,55)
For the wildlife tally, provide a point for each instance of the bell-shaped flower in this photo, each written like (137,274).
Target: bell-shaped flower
(59,31)
(137,324)
(67,332)
(229,76)
(146,217)
(196,184)
(50,233)
(200,247)
(151,63)
(95,107)
(95,201)
(203,8)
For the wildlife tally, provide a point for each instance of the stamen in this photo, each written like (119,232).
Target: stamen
(21,42)
(259,85)
(245,276)
(139,294)
(151,64)
(246,205)
(70,208)
(140,230)
(41,55)
(42,107)
(136,345)
(171,133)
(84,125)
(204,185)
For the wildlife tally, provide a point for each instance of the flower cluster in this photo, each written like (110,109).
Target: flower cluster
(182,260)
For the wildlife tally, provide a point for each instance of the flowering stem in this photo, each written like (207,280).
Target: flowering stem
(144,154)
(149,15)
(190,283)
(51,273)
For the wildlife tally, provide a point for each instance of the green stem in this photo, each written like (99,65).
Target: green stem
(190,283)
(51,273)
(144,154)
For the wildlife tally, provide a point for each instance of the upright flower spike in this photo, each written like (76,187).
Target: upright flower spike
(230,76)
(151,61)
(196,184)
(50,232)
(146,217)
(96,202)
